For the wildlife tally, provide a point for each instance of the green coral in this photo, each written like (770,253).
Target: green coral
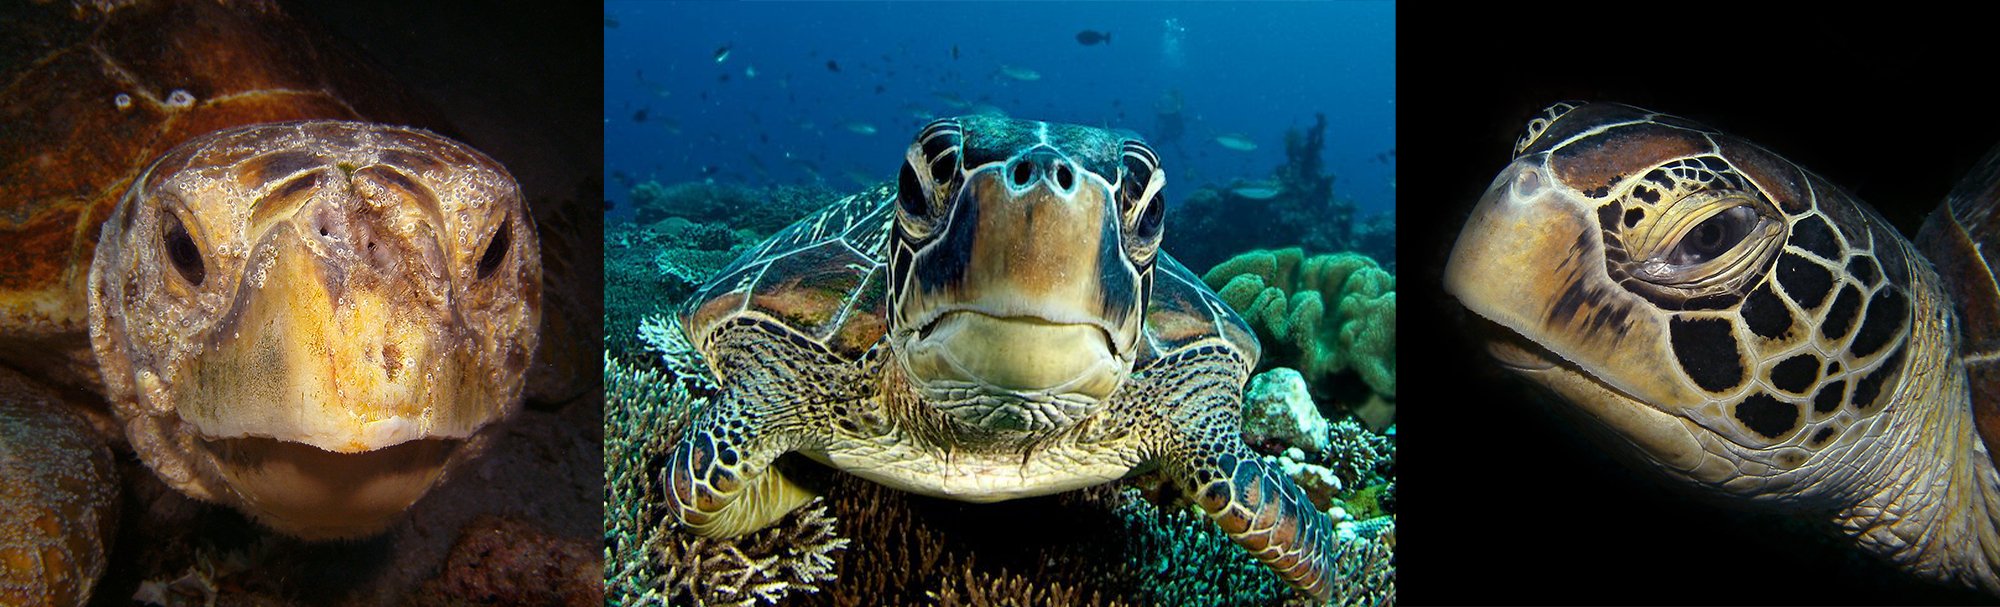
(1286,296)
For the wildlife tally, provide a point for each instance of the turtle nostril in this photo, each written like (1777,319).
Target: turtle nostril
(1064,179)
(1022,172)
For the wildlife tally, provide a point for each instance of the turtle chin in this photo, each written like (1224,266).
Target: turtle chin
(1013,373)
(1657,436)
(315,494)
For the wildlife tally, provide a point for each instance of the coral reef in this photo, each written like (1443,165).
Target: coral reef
(1322,314)
(1298,207)
(762,211)
(1100,546)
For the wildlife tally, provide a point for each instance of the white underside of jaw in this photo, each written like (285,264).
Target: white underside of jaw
(977,477)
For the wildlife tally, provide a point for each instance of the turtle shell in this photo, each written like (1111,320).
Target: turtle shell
(825,277)
(1962,240)
(95,94)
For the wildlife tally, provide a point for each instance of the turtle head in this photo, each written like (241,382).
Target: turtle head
(1732,318)
(1020,265)
(311,321)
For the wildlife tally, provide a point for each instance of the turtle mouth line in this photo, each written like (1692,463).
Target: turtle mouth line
(1512,349)
(1031,321)
(1014,354)
(1525,356)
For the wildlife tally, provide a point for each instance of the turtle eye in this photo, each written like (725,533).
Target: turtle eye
(181,250)
(496,250)
(1713,237)
(910,194)
(1151,220)
(1139,164)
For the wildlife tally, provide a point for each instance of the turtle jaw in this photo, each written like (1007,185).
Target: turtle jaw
(1014,372)
(314,494)
(1656,435)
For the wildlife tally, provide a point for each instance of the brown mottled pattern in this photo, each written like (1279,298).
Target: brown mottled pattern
(1780,180)
(813,273)
(58,499)
(1595,164)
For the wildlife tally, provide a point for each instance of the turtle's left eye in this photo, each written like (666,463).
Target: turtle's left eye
(496,250)
(1713,237)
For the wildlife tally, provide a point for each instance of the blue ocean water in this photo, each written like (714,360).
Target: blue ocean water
(831,93)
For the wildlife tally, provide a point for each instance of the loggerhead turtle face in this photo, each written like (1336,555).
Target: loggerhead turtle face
(1732,317)
(310,321)
(1020,266)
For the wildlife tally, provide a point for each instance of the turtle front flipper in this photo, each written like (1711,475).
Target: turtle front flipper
(720,481)
(1260,509)
(58,500)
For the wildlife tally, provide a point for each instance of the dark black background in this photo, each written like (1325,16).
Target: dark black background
(1507,500)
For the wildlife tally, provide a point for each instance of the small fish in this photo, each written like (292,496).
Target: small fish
(985,109)
(1236,141)
(750,71)
(1020,73)
(612,23)
(879,88)
(1091,37)
(722,54)
(862,128)
(954,52)
(1264,190)
(832,66)
(722,78)
(640,116)
(951,100)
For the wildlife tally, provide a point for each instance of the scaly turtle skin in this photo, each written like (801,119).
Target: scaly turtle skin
(293,313)
(1743,326)
(1000,324)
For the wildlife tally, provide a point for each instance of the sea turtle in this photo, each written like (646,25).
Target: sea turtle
(206,254)
(1743,326)
(1000,323)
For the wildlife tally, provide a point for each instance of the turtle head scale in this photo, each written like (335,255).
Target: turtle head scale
(1020,265)
(312,321)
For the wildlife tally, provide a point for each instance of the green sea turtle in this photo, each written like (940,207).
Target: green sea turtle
(998,324)
(1743,326)
(208,255)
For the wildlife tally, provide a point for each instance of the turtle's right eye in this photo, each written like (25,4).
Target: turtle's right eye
(181,250)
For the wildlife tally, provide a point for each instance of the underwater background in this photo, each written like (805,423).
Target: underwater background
(1275,124)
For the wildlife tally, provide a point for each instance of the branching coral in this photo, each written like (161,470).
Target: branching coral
(1328,312)
(649,561)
